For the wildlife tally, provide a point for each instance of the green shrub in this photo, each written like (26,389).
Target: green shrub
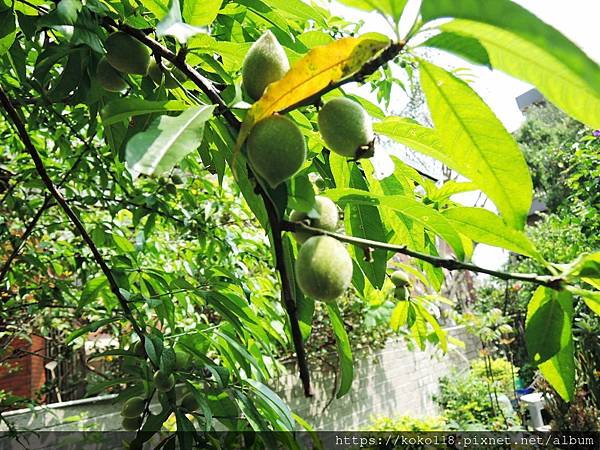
(408,423)
(502,374)
(469,401)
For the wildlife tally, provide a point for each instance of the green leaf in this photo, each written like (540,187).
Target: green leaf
(201,12)
(297,9)
(123,243)
(415,136)
(284,414)
(172,25)
(412,209)
(399,315)
(467,47)
(185,430)
(392,8)
(364,221)
(585,267)
(592,300)
(8,28)
(167,141)
(89,328)
(486,227)
(559,371)
(450,188)
(477,145)
(343,348)
(437,329)
(90,291)
(522,45)
(125,108)
(548,325)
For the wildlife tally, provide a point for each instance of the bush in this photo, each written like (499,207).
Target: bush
(470,402)
(408,423)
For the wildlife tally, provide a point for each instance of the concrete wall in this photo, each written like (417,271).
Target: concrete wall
(394,381)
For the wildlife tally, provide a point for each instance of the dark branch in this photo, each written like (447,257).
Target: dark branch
(203,83)
(41,169)
(448,264)
(389,53)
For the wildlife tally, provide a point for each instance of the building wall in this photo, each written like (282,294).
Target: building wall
(24,375)
(394,381)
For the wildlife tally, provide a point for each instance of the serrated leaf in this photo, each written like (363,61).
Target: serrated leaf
(89,328)
(364,221)
(392,8)
(467,47)
(477,145)
(8,28)
(559,371)
(437,329)
(90,291)
(201,12)
(124,108)
(522,45)
(586,267)
(414,210)
(548,325)
(399,315)
(343,348)
(413,135)
(485,227)
(167,141)
(320,67)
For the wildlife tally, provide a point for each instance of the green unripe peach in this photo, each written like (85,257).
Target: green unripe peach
(127,54)
(133,407)
(400,278)
(401,293)
(276,149)
(109,78)
(182,360)
(131,423)
(328,217)
(265,63)
(163,382)
(323,268)
(189,403)
(346,128)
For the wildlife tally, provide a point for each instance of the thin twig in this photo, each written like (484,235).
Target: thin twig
(41,169)
(448,264)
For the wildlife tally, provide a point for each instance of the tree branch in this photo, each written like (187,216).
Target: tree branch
(203,83)
(35,219)
(448,264)
(385,56)
(41,169)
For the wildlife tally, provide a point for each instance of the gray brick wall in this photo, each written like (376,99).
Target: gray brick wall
(390,382)
(393,381)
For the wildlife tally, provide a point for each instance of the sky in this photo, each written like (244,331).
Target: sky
(576,19)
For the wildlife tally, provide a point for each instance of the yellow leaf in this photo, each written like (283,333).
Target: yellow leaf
(320,67)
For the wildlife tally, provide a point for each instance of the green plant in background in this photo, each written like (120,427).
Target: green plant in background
(156,215)
(408,423)
(477,401)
